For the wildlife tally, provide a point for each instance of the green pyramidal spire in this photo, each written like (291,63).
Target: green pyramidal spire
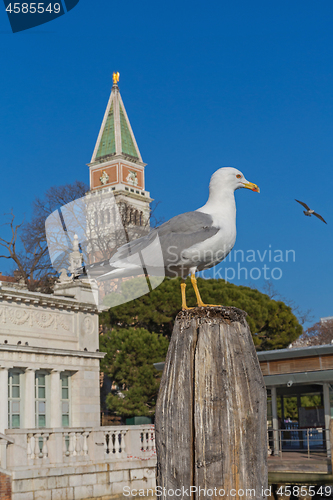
(127,144)
(107,145)
(116,135)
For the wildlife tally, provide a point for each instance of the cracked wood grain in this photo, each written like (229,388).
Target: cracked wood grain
(211,429)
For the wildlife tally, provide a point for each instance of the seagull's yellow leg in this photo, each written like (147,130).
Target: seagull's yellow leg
(197,293)
(183,287)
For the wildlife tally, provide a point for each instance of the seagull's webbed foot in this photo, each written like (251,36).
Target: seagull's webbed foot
(200,303)
(197,293)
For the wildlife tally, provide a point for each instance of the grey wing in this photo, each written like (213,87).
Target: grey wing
(319,217)
(175,235)
(182,232)
(303,204)
(188,223)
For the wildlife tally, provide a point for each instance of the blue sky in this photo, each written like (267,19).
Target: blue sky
(205,85)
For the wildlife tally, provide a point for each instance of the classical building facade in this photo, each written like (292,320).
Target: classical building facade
(51,443)
(49,359)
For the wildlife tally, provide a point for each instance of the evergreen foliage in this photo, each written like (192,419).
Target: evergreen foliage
(272,323)
(131,353)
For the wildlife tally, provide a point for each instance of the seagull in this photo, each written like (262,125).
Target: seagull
(308,212)
(190,242)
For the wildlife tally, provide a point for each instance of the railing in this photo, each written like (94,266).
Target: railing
(147,437)
(37,445)
(72,445)
(309,441)
(133,442)
(20,447)
(75,443)
(114,442)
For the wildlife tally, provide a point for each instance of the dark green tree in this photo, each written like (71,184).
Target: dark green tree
(131,353)
(272,323)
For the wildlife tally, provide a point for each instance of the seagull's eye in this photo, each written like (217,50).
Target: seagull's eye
(238,176)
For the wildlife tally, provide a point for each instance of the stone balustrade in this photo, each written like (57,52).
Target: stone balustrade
(36,447)
(80,462)
(114,443)
(147,437)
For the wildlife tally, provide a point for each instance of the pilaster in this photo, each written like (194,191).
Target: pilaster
(55,406)
(29,399)
(4,399)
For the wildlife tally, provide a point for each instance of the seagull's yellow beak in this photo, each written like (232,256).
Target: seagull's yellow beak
(253,187)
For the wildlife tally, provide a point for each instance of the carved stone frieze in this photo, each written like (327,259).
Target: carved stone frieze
(45,320)
(31,318)
(17,316)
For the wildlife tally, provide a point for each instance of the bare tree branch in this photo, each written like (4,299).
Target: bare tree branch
(302,316)
(320,333)
(27,245)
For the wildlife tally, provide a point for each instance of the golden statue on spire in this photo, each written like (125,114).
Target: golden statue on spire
(115,78)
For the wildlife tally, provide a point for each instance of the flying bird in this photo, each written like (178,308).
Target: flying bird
(189,242)
(308,212)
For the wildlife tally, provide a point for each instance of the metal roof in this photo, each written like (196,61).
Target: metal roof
(296,352)
(299,378)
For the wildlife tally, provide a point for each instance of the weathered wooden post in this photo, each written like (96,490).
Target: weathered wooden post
(211,423)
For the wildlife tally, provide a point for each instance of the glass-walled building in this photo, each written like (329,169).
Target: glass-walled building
(299,384)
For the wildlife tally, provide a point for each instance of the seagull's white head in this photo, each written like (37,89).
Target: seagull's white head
(229,178)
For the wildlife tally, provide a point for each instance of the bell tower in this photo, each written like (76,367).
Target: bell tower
(117,174)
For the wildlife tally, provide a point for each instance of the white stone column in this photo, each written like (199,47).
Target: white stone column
(55,399)
(276,437)
(4,399)
(327,411)
(29,420)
